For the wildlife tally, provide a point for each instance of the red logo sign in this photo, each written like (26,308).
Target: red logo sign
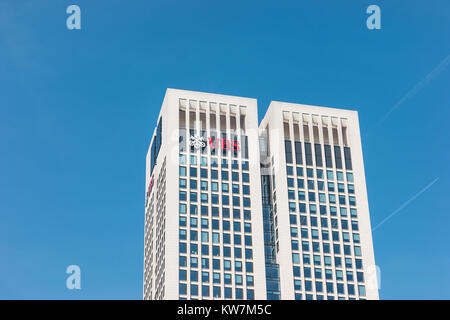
(224,144)
(150,187)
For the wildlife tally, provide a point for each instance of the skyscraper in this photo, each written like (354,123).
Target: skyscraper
(312,158)
(203,222)
(234,210)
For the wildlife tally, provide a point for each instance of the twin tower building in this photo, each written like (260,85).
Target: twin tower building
(240,210)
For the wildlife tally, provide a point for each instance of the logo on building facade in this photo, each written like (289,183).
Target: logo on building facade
(225,144)
(197,142)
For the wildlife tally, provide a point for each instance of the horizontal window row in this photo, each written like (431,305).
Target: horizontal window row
(313,209)
(315,235)
(204,198)
(216,263)
(316,246)
(321,198)
(196,276)
(216,292)
(238,226)
(319,273)
(194,236)
(324,222)
(317,152)
(214,250)
(298,296)
(224,163)
(214,186)
(312,184)
(339,262)
(226,252)
(329,287)
(214,174)
(204,224)
(319,173)
(214,211)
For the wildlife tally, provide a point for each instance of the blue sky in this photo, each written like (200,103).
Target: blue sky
(77,109)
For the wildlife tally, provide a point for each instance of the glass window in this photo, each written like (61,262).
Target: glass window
(332,198)
(350,177)
(360,276)
(322,198)
(351,189)
(224,187)
(301,196)
(183,289)
(183,261)
(331,187)
(227,293)
(330,175)
(362,290)
(182,247)
(297,285)
(292,207)
(290,182)
(320,185)
(319,173)
(216,292)
(307,272)
(290,170)
(293,218)
(305,245)
(315,234)
(194,290)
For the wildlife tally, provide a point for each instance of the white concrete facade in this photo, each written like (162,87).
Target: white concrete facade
(194,249)
(212,114)
(321,126)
